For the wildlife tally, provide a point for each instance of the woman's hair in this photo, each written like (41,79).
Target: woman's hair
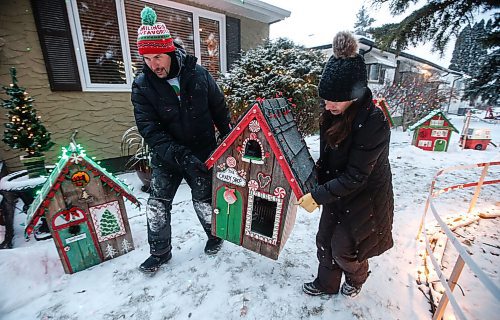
(340,126)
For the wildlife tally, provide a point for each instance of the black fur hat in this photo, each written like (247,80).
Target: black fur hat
(344,77)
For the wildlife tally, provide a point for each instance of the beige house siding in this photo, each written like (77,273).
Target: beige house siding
(100,117)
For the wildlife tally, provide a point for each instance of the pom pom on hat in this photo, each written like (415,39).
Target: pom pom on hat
(148,16)
(344,77)
(153,37)
(344,45)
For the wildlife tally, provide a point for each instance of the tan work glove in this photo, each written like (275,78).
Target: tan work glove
(307,202)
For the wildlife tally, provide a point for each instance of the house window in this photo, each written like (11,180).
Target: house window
(263,216)
(425,143)
(252,151)
(437,123)
(439,133)
(105,34)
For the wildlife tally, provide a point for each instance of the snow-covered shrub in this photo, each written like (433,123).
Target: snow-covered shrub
(277,69)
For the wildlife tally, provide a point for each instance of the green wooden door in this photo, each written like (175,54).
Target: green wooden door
(229,218)
(79,247)
(440,145)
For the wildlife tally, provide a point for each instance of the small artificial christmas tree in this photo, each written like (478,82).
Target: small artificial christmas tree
(25,130)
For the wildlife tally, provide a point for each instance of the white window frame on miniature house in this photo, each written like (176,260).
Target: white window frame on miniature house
(248,222)
(439,133)
(81,56)
(425,143)
(437,123)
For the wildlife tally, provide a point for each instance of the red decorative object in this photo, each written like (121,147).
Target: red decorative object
(280,192)
(259,213)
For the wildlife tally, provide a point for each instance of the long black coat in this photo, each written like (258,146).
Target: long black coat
(166,123)
(356,181)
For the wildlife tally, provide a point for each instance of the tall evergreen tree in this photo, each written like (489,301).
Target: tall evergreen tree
(470,49)
(277,69)
(363,22)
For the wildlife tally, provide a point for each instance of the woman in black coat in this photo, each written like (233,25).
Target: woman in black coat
(355,180)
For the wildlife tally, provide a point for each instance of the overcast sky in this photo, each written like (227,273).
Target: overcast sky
(315,22)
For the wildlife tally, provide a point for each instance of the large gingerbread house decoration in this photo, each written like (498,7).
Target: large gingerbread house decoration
(84,208)
(260,170)
(432,132)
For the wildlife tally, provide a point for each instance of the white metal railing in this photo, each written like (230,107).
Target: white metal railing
(463,256)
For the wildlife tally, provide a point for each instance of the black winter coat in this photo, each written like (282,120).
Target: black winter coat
(356,181)
(167,124)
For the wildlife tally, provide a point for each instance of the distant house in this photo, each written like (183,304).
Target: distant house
(78,58)
(385,68)
(260,170)
(432,132)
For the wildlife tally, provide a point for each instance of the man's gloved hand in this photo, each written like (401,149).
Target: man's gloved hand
(189,162)
(193,164)
(307,202)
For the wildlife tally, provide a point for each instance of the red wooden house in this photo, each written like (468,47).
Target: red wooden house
(260,170)
(432,132)
(84,208)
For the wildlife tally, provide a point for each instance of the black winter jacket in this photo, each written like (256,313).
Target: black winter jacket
(356,181)
(169,125)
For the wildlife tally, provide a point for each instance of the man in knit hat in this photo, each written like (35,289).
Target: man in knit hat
(355,180)
(177,106)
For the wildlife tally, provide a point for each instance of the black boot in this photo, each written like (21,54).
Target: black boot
(153,263)
(213,245)
(314,289)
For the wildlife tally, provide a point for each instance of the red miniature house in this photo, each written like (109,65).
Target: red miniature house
(381,103)
(85,211)
(433,132)
(260,170)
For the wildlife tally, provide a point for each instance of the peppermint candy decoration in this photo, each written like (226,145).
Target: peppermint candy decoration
(253,185)
(280,192)
(253,136)
(254,126)
(231,162)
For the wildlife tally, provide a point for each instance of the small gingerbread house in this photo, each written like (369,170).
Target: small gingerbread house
(84,208)
(260,170)
(381,103)
(432,132)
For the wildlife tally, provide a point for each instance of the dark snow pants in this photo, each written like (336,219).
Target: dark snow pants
(164,184)
(337,255)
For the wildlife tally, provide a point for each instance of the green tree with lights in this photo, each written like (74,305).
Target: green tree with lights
(277,69)
(24,129)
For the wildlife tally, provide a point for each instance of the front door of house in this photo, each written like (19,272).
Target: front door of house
(440,145)
(79,247)
(75,239)
(229,217)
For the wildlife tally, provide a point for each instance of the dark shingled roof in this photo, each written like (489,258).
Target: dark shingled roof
(284,128)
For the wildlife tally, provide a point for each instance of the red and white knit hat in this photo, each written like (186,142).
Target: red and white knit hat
(153,37)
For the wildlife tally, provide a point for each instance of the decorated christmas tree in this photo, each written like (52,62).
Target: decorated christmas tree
(25,130)
(109,224)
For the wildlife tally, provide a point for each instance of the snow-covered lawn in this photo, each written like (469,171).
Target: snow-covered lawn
(240,284)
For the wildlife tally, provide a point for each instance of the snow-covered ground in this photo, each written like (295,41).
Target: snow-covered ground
(240,284)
